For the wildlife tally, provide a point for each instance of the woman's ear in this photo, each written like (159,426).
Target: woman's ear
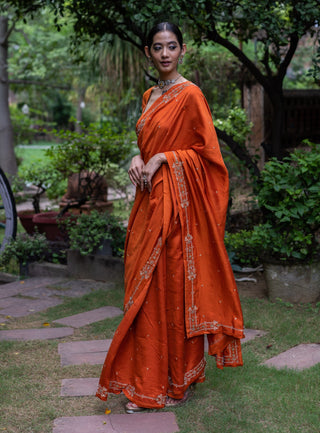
(147,52)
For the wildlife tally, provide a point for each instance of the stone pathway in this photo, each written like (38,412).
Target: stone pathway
(79,387)
(297,358)
(155,422)
(22,298)
(88,317)
(35,334)
(83,352)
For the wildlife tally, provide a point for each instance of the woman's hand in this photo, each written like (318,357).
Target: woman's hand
(150,169)
(135,170)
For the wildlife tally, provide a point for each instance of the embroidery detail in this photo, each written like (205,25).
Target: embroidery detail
(102,391)
(117,387)
(146,271)
(230,356)
(191,375)
(189,248)
(172,93)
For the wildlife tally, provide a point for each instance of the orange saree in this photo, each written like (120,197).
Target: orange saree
(179,285)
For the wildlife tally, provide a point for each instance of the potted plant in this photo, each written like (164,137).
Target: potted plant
(25,249)
(86,159)
(44,178)
(97,233)
(96,247)
(288,240)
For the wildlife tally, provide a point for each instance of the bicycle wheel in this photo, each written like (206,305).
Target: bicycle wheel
(8,213)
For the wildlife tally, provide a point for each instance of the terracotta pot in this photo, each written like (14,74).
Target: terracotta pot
(293,283)
(26,219)
(48,223)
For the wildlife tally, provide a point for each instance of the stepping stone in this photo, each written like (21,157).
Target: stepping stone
(19,307)
(17,287)
(35,334)
(297,358)
(79,387)
(83,319)
(148,422)
(250,334)
(42,292)
(83,352)
(94,351)
(77,288)
(7,292)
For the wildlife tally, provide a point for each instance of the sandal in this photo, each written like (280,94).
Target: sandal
(174,402)
(133,408)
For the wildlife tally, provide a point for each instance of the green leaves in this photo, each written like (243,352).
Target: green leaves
(87,234)
(93,150)
(236,125)
(289,196)
(25,248)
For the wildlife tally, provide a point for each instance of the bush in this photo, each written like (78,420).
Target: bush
(243,248)
(91,229)
(289,198)
(25,248)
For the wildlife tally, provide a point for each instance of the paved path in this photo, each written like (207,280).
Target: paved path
(155,422)
(22,298)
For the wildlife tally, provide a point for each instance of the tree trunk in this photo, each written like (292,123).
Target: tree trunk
(81,98)
(277,127)
(7,156)
(273,145)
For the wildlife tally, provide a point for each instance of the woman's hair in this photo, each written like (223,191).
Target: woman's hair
(161,27)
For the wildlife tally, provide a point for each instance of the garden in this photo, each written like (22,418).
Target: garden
(74,78)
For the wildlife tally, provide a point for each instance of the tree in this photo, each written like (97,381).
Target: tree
(275,27)
(131,20)
(7,157)
(10,13)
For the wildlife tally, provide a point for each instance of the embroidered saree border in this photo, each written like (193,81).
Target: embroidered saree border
(116,387)
(146,271)
(195,326)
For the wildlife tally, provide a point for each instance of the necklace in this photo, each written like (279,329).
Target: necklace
(165,83)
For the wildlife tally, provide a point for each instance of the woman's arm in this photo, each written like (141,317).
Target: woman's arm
(150,169)
(135,170)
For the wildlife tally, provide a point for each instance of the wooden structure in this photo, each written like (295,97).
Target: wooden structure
(301,117)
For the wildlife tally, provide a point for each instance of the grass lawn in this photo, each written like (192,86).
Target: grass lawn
(249,399)
(30,154)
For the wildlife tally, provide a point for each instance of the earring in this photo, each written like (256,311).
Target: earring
(181,60)
(150,61)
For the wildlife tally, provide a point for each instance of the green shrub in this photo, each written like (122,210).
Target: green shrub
(289,197)
(25,248)
(91,229)
(243,248)
(92,150)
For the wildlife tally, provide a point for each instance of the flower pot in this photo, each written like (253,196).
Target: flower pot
(49,224)
(293,283)
(23,270)
(26,219)
(104,249)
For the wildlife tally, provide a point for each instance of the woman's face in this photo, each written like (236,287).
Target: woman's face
(165,53)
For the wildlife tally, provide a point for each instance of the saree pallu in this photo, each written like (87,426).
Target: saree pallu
(179,285)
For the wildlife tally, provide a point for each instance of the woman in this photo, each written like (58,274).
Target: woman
(179,284)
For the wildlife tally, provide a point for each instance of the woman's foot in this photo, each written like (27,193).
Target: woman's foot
(133,408)
(174,402)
